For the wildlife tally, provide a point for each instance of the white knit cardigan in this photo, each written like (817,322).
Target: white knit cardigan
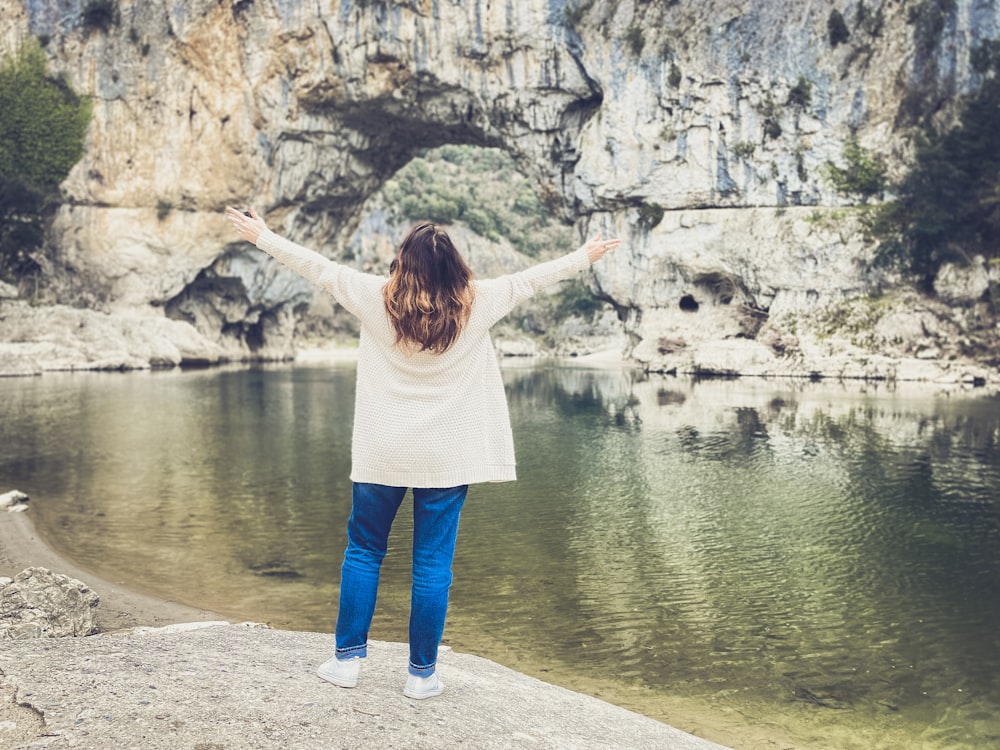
(423,419)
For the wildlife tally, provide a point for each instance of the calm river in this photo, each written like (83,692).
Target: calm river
(771,564)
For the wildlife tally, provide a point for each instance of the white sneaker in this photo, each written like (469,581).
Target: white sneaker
(343,673)
(419,688)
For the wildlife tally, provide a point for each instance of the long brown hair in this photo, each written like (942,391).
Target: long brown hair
(429,293)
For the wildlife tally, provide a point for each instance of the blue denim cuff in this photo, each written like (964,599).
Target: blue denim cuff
(421,671)
(351,651)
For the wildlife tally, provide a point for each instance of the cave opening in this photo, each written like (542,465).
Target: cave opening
(688,303)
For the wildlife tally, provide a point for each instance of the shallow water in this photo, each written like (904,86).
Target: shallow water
(769,564)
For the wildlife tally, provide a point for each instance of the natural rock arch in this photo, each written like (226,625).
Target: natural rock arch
(330,106)
(306,108)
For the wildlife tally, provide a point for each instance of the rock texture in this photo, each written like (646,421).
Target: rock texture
(38,603)
(696,131)
(221,685)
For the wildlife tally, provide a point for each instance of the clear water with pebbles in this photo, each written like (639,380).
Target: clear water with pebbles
(766,563)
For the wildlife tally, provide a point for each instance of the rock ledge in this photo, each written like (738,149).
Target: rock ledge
(215,685)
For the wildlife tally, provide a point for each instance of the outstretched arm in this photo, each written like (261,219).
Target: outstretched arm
(518,287)
(597,246)
(307,263)
(349,287)
(546,274)
(248,225)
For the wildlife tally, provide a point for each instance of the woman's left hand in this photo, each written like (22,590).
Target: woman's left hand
(247,227)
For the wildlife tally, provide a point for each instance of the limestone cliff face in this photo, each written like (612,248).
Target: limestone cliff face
(675,125)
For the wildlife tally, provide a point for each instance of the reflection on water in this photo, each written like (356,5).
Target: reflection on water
(806,562)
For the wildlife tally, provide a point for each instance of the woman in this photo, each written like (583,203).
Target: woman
(430,414)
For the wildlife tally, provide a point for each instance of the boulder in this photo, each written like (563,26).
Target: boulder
(59,337)
(38,603)
(15,359)
(733,357)
(13,501)
(962,283)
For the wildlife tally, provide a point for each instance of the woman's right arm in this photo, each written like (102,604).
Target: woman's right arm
(346,285)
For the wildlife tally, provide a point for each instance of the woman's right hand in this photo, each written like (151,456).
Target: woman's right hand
(596,247)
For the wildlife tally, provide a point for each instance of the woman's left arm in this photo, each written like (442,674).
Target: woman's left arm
(524,284)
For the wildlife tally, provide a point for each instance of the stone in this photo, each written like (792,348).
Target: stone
(59,337)
(732,357)
(15,361)
(38,603)
(964,283)
(238,688)
(12,499)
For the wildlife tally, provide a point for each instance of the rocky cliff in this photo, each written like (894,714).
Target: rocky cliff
(698,132)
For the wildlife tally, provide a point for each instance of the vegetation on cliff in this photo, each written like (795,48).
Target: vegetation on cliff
(947,208)
(863,175)
(43,124)
(481,188)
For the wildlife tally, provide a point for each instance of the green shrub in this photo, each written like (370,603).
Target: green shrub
(744,149)
(800,94)
(947,208)
(526,203)
(480,223)
(442,211)
(575,298)
(674,77)
(634,39)
(650,215)
(863,176)
(800,164)
(836,28)
(43,124)
(769,109)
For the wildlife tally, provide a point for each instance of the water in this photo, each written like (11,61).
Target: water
(768,564)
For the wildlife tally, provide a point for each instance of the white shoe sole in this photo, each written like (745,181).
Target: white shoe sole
(338,680)
(419,695)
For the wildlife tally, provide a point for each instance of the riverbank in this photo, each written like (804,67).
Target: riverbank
(193,679)
(39,339)
(121,606)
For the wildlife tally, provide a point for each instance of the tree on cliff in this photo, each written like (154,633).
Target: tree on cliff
(947,208)
(43,124)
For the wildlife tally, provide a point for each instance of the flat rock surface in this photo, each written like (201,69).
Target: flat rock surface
(220,686)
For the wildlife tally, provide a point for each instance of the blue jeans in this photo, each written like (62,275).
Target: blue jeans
(435,529)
